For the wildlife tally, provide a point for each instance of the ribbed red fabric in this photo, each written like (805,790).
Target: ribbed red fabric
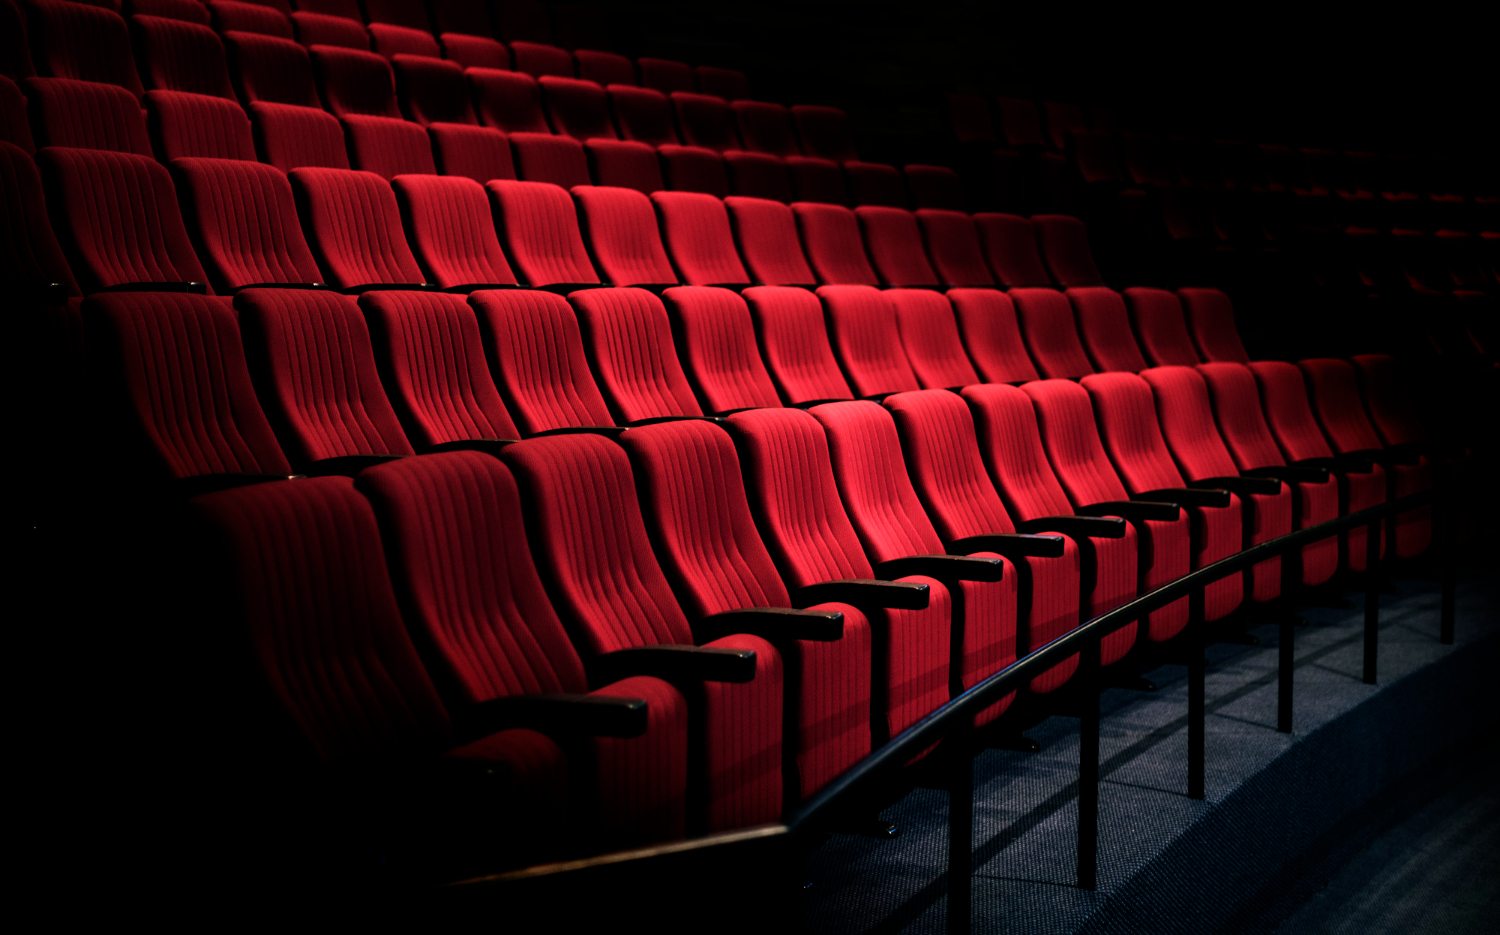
(1104,325)
(391,40)
(333,32)
(478,153)
(1010,247)
(697,507)
(234,16)
(765,127)
(15,126)
(317,375)
(620,224)
(1065,246)
(590,531)
(540,59)
(604,67)
(719,348)
(475,51)
(291,137)
(355,82)
(433,359)
(539,229)
(87,115)
(635,358)
(987,319)
(452,232)
(404,13)
(624,164)
(1051,333)
(705,120)
(508,100)
(188,125)
(767,235)
(546,157)
(434,91)
(935,187)
(29,251)
(540,366)
(795,341)
(182,56)
(758,175)
(273,69)
(874,184)
(1162,327)
(245,222)
(1210,317)
(824,131)
(119,212)
(665,75)
(388,146)
(929,332)
(578,107)
(863,329)
(76,40)
(895,246)
(354,225)
(694,169)
(697,234)
(728,83)
(644,114)
(830,235)
(185,382)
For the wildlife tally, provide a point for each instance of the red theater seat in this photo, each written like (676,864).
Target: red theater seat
(794,338)
(895,247)
(273,69)
(705,120)
(767,235)
(508,101)
(620,225)
(578,108)
(624,164)
(245,223)
(1010,246)
(1162,328)
(630,342)
(929,333)
(1050,332)
(186,125)
(354,226)
(539,229)
(1104,324)
(87,115)
(88,43)
(992,336)
(719,349)
(953,243)
(863,329)
(291,137)
(1065,244)
(434,91)
(543,157)
(452,232)
(696,230)
(182,56)
(830,235)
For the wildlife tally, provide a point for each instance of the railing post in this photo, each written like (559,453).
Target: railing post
(1372,601)
(1447,531)
(1285,668)
(1197,706)
(961,831)
(1088,767)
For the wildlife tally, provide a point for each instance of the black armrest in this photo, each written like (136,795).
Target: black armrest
(656,288)
(1244,486)
(1185,496)
(1011,545)
(675,664)
(1092,527)
(482,287)
(609,431)
(1291,472)
(1133,509)
(209,483)
(656,420)
(346,465)
(389,287)
(197,288)
(866,594)
(943,567)
(490,446)
(1342,463)
(809,403)
(773,623)
(282,285)
(566,288)
(586,715)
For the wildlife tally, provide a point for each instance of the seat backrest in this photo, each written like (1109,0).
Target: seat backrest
(291,137)
(541,59)
(1333,388)
(470,588)
(29,251)
(578,107)
(452,230)
(1162,328)
(245,223)
(1010,246)
(15,125)
(392,41)
(1010,440)
(274,69)
(1070,435)
(767,235)
(547,157)
(430,352)
(335,32)
(935,187)
(789,475)
(824,131)
(317,375)
(183,382)
(77,40)
(992,335)
(249,16)
(354,225)
(695,503)
(539,229)
(728,83)
(644,114)
(624,164)
(87,115)
(118,212)
(794,338)
(953,242)
(538,360)
(862,326)
(508,100)
(189,125)
(478,153)
(758,175)
(604,67)
(1235,396)
(665,75)
(356,82)
(765,127)
(388,146)
(705,120)
(407,13)
(694,169)
(874,481)
(1125,410)
(596,548)
(475,51)
(719,348)
(1104,324)
(189,11)
(696,229)
(945,464)
(1187,422)
(1020,121)
(929,332)
(1050,332)
(1210,317)
(1390,405)
(15,45)
(874,184)
(434,91)
(895,245)
(310,581)
(183,56)
(830,235)
(1065,246)
(620,224)
(630,342)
